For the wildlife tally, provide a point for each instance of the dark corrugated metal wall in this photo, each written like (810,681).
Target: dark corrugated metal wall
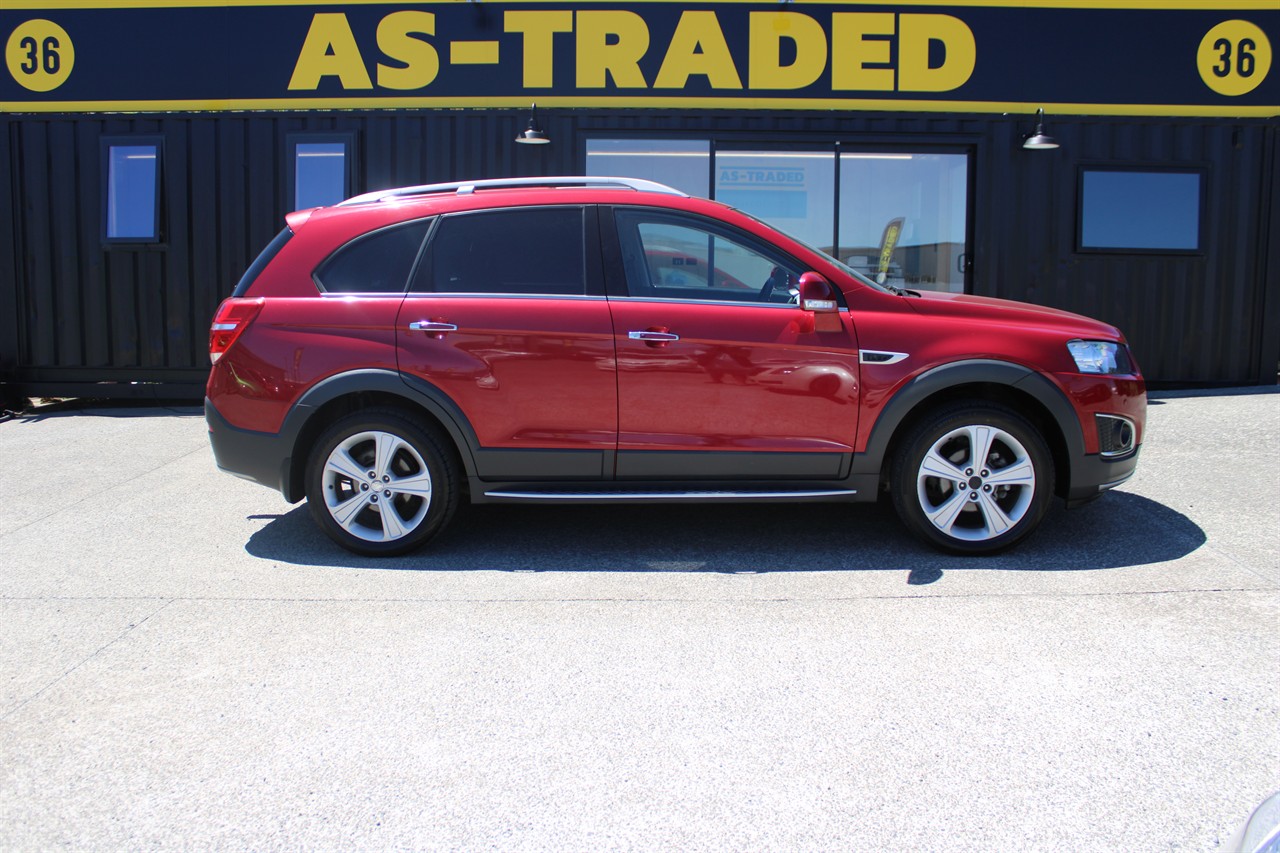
(72,311)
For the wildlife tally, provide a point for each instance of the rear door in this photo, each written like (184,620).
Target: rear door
(506,316)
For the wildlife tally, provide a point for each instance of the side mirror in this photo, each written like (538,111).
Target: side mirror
(818,302)
(817,294)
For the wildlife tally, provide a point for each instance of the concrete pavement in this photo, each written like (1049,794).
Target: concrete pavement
(185,661)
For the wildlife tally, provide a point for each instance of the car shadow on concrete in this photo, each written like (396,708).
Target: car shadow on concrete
(1116,531)
(131,409)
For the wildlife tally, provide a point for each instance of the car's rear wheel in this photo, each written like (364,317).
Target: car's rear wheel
(973,479)
(380,482)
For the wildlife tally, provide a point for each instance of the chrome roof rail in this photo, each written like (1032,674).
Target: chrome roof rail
(468,187)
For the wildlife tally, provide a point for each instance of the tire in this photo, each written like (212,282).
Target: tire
(1007,487)
(415,474)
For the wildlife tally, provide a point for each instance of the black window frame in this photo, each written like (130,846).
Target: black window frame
(1201,170)
(291,142)
(106,144)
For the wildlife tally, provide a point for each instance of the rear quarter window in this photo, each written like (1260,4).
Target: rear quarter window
(379,262)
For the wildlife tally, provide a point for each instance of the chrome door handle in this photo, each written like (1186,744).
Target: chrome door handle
(432,326)
(652,336)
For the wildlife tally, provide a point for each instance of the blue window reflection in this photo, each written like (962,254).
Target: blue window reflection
(320,174)
(681,163)
(132,180)
(1144,211)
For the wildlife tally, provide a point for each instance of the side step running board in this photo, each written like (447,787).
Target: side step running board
(633,497)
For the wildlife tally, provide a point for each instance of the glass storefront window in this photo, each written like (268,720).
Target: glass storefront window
(684,164)
(903,218)
(1143,211)
(792,190)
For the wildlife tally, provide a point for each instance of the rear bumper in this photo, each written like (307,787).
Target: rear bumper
(259,457)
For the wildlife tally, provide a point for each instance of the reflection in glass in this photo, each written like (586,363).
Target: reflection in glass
(679,163)
(1149,211)
(791,190)
(320,174)
(132,173)
(902,218)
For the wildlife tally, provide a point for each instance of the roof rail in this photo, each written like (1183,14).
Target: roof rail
(468,187)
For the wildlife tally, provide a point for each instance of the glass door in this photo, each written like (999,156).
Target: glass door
(904,218)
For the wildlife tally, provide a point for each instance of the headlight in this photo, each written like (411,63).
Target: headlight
(1098,356)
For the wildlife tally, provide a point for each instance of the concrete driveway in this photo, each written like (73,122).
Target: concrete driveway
(185,662)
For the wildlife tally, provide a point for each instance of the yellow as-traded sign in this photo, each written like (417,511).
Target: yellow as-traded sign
(1126,57)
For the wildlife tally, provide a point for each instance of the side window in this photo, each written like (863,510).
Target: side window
(132,194)
(319,171)
(1142,211)
(375,263)
(524,251)
(673,257)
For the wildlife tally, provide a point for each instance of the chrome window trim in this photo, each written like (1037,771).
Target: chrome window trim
(658,300)
(359,294)
(425,294)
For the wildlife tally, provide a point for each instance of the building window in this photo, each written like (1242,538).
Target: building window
(320,170)
(133,190)
(684,164)
(1144,211)
(899,216)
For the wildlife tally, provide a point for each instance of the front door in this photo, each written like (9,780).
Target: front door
(720,376)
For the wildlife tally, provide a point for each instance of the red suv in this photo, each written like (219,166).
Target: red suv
(607,340)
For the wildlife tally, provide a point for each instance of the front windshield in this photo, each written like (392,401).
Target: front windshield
(836,262)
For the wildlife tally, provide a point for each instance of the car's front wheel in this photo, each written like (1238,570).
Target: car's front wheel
(973,479)
(381,483)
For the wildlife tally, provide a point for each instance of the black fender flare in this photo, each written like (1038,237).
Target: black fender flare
(970,372)
(413,390)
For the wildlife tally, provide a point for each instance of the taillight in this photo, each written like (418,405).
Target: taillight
(233,317)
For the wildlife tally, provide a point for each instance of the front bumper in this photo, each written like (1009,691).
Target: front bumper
(1094,474)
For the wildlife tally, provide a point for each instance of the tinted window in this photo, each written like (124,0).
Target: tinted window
(531,250)
(1142,211)
(376,263)
(673,257)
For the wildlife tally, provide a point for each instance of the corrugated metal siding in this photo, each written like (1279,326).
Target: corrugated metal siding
(83,312)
